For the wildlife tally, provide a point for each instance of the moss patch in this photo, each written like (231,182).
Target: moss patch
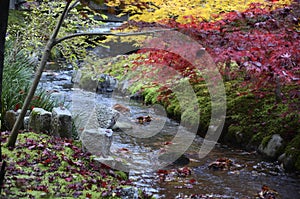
(45,167)
(293,150)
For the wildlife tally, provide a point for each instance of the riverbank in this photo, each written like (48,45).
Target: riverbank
(251,119)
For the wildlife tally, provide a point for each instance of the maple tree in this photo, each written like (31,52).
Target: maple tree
(157,10)
(259,43)
(256,50)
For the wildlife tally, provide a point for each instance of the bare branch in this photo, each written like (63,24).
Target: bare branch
(109,34)
(72,6)
(61,20)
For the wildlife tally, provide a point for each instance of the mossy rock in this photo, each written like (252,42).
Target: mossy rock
(88,83)
(293,151)
(234,135)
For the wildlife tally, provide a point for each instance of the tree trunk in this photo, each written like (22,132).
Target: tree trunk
(4,7)
(52,42)
(15,131)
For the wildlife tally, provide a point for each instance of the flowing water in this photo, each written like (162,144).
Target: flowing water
(139,147)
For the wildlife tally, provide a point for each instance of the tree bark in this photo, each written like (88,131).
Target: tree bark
(4,8)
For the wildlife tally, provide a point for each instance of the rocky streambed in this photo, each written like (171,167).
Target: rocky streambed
(139,146)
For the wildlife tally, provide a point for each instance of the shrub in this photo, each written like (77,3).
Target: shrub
(17,76)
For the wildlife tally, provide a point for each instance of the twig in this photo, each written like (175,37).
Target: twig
(109,34)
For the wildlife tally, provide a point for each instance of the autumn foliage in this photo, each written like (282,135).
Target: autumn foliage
(157,10)
(259,45)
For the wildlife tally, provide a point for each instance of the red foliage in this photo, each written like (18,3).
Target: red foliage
(263,42)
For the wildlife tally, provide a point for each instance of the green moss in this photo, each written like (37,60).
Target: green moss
(256,138)
(122,175)
(16,17)
(29,163)
(151,95)
(293,150)
(266,140)
(233,133)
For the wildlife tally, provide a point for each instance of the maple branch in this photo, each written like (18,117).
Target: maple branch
(46,54)
(72,6)
(109,34)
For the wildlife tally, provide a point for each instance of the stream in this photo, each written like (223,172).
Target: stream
(187,176)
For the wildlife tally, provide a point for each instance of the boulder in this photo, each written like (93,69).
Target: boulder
(102,117)
(288,161)
(26,122)
(85,81)
(90,115)
(138,96)
(106,83)
(271,149)
(40,120)
(61,123)
(10,119)
(120,125)
(97,141)
(129,193)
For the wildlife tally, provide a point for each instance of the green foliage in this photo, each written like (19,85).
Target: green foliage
(121,174)
(17,75)
(151,94)
(16,18)
(35,26)
(258,118)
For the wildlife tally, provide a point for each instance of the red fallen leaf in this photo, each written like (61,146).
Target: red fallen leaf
(103,184)
(47,161)
(185,171)
(162,171)
(192,181)
(267,193)
(123,150)
(17,107)
(88,195)
(168,143)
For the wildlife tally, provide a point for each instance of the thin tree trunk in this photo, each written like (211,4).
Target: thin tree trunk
(52,42)
(4,7)
(15,131)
